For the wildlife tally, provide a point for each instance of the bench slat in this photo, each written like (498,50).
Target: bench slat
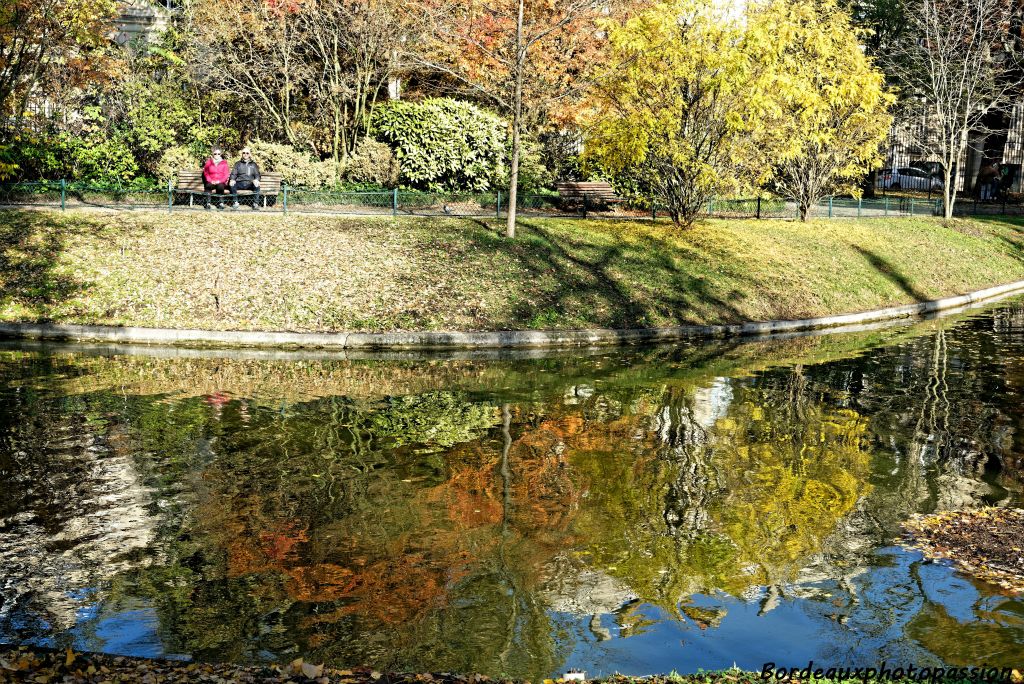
(598,191)
(192,181)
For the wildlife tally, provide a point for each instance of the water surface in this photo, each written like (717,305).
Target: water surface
(620,510)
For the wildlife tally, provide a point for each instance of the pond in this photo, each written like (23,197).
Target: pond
(639,511)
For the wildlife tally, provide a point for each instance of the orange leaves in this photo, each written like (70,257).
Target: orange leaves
(77,48)
(469,498)
(388,591)
(274,547)
(279,546)
(561,44)
(321,582)
(284,7)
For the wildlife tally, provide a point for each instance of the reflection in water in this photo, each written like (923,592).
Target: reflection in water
(637,511)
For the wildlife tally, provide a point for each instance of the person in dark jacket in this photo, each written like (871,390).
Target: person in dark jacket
(246,176)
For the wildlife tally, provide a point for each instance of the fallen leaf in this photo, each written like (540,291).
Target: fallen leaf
(312,671)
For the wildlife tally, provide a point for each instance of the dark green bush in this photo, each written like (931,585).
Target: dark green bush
(108,161)
(94,157)
(443,144)
(373,164)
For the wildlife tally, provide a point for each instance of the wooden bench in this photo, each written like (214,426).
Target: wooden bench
(589,194)
(191,181)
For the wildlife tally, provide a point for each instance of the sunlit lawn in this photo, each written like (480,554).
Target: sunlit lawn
(252,272)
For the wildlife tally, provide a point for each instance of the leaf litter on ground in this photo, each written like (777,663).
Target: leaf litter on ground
(46,666)
(987,543)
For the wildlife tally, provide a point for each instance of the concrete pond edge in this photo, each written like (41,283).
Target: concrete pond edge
(510,339)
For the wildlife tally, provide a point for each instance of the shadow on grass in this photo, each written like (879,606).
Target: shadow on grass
(886,268)
(590,277)
(31,244)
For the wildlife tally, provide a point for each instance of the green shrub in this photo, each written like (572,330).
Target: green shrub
(203,138)
(8,169)
(443,144)
(297,168)
(108,161)
(31,157)
(157,117)
(534,177)
(373,164)
(635,185)
(561,154)
(175,159)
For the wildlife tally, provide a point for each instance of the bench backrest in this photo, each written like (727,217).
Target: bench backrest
(595,189)
(191,180)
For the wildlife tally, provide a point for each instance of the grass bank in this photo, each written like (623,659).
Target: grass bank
(312,273)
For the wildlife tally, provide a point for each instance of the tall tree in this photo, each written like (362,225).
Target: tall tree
(883,24)
(884,21)
(525,57)
(251,54)
(676,106)
(825,109)
(963,65)
(352,45)
(40,39)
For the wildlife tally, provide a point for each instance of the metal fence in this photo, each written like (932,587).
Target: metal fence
(67,195)
(830,207)
(998,139)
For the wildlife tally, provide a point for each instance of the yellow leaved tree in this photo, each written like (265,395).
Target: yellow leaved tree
(701,103)
(826,110)
(674,110)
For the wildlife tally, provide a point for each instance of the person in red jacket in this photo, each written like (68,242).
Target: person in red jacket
(216,172)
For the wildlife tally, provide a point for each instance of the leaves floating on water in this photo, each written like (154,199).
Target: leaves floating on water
(986,543)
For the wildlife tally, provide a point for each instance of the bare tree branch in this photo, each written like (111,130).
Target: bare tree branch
(962,63)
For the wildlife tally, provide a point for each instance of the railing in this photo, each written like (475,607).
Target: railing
(395,202)
(64,194)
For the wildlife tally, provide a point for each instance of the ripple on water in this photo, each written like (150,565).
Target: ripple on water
(637,510)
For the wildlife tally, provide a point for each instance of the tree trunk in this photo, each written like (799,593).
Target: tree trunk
(948,187)
(339,152)
(517,123)
(870,185)
(513,182)
(505,470)
(949,192)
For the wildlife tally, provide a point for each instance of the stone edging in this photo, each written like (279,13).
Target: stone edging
(484,340)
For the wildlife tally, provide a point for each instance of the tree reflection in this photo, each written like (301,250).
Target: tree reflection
(760,488)
(452,522)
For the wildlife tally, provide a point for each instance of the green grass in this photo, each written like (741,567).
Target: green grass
(265,272)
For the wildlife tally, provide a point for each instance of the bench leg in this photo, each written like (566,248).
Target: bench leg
(191,195)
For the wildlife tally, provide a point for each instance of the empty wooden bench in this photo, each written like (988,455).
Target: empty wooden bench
(587,194)
(191,182)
